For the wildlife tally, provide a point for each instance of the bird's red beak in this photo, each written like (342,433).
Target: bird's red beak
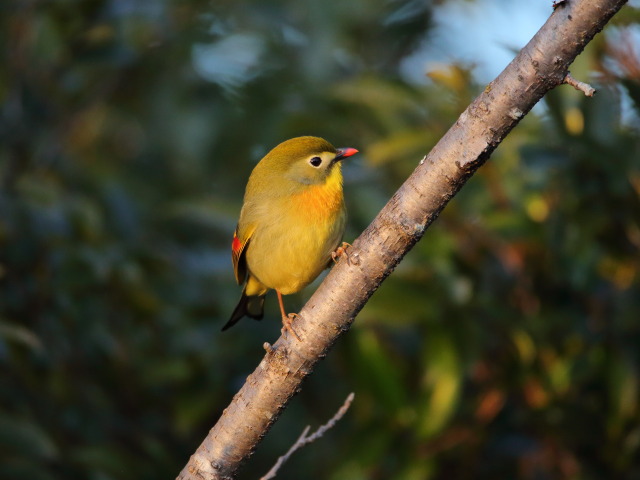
(345,152)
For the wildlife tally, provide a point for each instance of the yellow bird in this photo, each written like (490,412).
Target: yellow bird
(292,219)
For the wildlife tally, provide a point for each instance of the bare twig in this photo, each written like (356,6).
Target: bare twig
(557,3)
(304,440)
(585,88)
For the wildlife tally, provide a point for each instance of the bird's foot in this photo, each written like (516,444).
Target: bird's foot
(342,251)
(287,325)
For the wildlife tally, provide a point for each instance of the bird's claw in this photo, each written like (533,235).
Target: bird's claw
(287,325)
(342,251)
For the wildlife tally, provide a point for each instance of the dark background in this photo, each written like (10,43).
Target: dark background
(504,346)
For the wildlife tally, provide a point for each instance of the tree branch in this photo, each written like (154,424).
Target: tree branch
(540,66)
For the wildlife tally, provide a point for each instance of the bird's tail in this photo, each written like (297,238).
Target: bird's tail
(250,306)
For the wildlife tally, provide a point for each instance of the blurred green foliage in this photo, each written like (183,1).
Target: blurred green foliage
(504,346)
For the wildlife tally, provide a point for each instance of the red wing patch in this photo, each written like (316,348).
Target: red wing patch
(236,245)
(239,263)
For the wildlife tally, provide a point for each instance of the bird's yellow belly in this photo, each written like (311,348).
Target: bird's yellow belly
(288,254)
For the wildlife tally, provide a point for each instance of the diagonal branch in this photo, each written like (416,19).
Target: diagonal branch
(540,66)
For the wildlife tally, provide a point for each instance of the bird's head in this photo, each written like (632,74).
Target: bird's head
(307,160)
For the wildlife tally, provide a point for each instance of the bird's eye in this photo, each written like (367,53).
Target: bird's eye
(315,161)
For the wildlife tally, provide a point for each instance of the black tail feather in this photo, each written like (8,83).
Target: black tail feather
(248,306)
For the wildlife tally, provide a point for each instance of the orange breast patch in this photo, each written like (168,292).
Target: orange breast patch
(319,202)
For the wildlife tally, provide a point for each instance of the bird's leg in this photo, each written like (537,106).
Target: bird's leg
(342,251)
(287,320)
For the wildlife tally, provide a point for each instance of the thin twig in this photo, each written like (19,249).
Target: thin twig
(304,440)
(585,88)
(557,3)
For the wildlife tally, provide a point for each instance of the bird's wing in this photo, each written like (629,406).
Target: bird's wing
(238,248)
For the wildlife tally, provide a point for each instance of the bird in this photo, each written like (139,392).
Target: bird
(291,224)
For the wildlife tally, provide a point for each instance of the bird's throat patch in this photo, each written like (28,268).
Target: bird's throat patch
(323,201)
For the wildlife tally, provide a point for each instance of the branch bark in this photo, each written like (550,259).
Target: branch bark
(540,66)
